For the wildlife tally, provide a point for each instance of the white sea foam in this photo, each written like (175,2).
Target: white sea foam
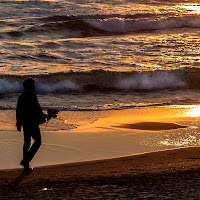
(151,81)
(9,87)
(123,25)
(110,25)
(62,87)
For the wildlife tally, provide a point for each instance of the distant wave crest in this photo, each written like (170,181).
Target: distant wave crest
(92,25)
(117,25)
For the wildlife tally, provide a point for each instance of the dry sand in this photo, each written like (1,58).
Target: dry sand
(171,174)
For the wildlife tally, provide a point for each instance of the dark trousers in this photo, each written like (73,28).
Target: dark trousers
(28,150)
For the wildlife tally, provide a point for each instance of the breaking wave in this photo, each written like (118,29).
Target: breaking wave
(104,81)
(9,87)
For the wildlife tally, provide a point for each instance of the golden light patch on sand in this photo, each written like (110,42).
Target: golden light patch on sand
(155,117)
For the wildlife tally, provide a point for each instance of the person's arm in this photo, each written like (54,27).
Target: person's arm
(39,109)
(19,114)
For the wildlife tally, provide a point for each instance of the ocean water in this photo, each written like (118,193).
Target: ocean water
(93,55)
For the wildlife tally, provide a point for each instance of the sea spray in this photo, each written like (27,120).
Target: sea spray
(10,87)
(60,87)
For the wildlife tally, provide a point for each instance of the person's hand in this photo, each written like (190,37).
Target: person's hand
(52,113)
(19,128)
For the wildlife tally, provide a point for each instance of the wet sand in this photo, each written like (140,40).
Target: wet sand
(160,174)
(171,174)
(101,135)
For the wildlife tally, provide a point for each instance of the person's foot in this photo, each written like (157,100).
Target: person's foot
(24,163)
(28,169)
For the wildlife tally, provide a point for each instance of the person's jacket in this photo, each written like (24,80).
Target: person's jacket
(28,110)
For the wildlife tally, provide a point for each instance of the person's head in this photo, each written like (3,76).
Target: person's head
(29,84)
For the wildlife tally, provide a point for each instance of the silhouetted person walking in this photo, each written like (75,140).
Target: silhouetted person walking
(29,116)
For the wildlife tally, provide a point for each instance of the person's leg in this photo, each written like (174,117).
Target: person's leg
(27,143)
(36,145)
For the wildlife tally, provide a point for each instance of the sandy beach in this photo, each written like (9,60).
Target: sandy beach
(129,154)
(84,136)
(171,174)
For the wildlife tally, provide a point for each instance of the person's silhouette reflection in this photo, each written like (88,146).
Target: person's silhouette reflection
(29,115)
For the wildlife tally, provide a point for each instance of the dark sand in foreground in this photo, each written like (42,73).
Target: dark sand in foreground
(171,174)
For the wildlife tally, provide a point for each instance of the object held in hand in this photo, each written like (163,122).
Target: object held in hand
(52,113)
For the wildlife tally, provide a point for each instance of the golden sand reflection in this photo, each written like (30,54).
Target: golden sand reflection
(195,112)
(187,111)
(152,119)
(192,8)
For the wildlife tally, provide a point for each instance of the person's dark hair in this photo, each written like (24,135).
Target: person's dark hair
(29,83)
